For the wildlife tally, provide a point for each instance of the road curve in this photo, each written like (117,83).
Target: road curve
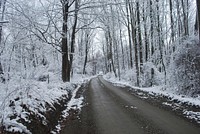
(111,110)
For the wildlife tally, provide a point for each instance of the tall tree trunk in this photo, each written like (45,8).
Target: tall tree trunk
(161,42)
(73,34)
(86,52)
(120,41)
(152,27)
(179,25)
(122,48)
(111,53)
(128,8)
(196,24)
(106,70)
(185,17)
(108,53)
(152,37)
(171,20)
(85,62)
(198,14)
(65,60)
(114,43)
(139,36)
(117,58)
(145,33)
(2,9)
(135,43)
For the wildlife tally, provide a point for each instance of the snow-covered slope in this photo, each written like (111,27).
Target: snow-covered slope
(21,99)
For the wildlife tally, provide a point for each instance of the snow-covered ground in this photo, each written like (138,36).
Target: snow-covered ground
(162,91)
(15,96)
(18,95)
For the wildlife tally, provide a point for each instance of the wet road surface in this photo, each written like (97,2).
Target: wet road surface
(111,110)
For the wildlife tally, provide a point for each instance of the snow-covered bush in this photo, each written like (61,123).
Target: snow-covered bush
(151,76)
(184,69)
(129,75)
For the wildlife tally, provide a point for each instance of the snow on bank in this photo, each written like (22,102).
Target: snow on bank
(193,115)
(21,95)
(75,104)
(162,91)
(16,97)
(21,98)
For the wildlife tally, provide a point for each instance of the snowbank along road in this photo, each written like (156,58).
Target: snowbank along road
(111,110)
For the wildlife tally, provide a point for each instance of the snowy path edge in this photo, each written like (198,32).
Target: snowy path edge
(157,91)
(74,103)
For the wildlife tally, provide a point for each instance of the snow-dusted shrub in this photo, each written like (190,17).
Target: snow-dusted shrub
(184,69)
(126,76)
(129,75)
(151,76)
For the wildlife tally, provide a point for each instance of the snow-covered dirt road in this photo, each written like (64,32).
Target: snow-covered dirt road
(111,110)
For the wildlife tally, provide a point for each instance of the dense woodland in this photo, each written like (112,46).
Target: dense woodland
(148,42)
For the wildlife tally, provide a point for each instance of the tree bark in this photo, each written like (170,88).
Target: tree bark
(71,55)
(161,42)
(65,60)
(198,14)
(85,62)
(111,54)
(2,7)
(139,37)
(86,52)
(145,33)
(171,20)
(196,24)
(151,27)
(122,48)
(128,8)
(185,17)
(134,40)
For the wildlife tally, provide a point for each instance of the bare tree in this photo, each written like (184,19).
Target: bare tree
(67,56)
(139,36)
(171,20)
(185,5)
(2,9)
(134,40)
